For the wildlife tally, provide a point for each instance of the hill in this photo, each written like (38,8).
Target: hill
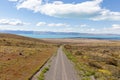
(21,57)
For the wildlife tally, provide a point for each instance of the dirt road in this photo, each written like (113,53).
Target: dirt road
(61,68)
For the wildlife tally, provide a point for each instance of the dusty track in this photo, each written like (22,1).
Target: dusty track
(61,68)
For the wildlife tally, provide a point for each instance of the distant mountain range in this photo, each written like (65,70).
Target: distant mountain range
(48,32)
(38,32)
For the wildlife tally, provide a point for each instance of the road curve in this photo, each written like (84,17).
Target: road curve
(61,68)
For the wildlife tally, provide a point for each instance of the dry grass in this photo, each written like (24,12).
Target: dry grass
(98,59)
(20,57)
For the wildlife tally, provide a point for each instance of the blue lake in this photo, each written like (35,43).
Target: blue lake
(89,36)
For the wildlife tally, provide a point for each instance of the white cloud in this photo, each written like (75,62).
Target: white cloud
(58,25)
(92,29)
(52,24)
(88,9)
(60,9)
(116,26)
(83,25)
(13,22)
(114,29)
(41,24)
(107,15)
(29,4)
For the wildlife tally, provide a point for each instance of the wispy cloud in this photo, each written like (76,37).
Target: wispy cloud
(13,22)
(115,27)
(83,25)
(52,24)
(86,10)
(107,15)
(58,24)
(29,4)
(41,24)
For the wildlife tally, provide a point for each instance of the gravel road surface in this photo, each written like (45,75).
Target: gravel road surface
(61,68)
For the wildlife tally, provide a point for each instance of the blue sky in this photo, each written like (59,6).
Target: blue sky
(84,16)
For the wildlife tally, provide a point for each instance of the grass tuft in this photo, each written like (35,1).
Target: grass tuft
(41,76)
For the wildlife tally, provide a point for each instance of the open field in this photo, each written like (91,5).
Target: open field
(77,41)
(94,59)
(99,60)
(21,57)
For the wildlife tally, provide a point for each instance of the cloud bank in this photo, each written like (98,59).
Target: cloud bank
(12,22)
(86,10)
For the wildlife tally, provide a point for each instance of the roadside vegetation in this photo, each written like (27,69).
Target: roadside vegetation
(21,57)
(95,61)
(42,74)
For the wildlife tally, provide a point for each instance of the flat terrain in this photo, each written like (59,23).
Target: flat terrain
(75,41)
(61,68)
(93,59)
(21,57)
(97,61)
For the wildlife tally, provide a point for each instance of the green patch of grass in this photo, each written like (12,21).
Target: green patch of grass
(41,76)
(69,55)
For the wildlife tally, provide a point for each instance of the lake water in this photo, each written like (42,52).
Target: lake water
(89,36)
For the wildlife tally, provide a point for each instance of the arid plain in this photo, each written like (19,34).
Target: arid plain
(21,57)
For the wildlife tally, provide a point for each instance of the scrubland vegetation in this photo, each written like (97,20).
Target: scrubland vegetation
(96,61)
(21,57)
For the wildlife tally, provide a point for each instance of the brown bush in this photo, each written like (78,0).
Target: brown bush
(95,64)
(78,53)
(111,61)
(67,46)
